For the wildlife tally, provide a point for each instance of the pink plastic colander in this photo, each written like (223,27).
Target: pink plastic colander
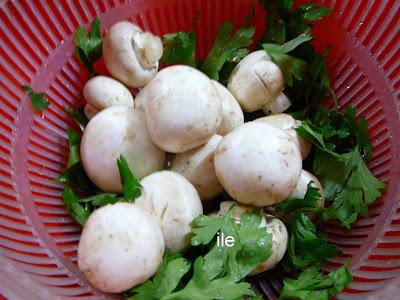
(38,240)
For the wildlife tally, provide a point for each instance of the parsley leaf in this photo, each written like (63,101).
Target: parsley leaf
(285,209)
(131,185)
(311,284)
(227,47)
(306,247)
(74,147)
(164,282)
(204,228)
(89,45)
(179,47)
(339,164)
(79,117)
(101,199)
(219,273)
(74,175)
(202,287)
(255,246)
(252,244)
(275,29)
(341,130)
(310,11)
(38,100)
(360,131)
(351,194)
(81,208)
(289,65)
(79,212)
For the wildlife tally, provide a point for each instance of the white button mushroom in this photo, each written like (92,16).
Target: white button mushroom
(301,187)
(101,92)
(113,131)
(197,166)
(279,233)
(232,114)
(130,54)
(89,111)
(183,108)
(277,106)
(121,246)
(305,145)
(140,101)
(255,81)
(174,202)
(272,225)
(288,124)
(258,164)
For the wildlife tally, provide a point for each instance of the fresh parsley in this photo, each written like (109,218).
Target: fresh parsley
(74,148)
(290,66)
(306,246)
(131,185)
(286,209)
(202,286)
(228,47)
(75,176)
(312,284)
(179,47)
(252,243)
(79,117)
(80,213)
(38,100)
(352,192)
(339,162)
(81,208)
(307,78)
(284,23)
(164,282)
(89,45)
(217,272)
(312,11)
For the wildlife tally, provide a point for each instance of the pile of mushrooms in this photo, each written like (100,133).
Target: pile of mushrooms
(180,111)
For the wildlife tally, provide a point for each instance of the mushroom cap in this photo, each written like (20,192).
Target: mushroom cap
(237,211)
(288,124)
(121,246)
(232,114)
(301,187)
(114,131)
(258,164)
(130,54)
(140,101)
(197,166)
(102,91)
(174,202)
(278,105)
(279,233)
(305,145)
(255,81)
(90,111)
(273,225)
(183,108)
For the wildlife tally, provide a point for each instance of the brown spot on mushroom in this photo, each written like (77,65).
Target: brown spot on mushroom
(130,135)
(164,210)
